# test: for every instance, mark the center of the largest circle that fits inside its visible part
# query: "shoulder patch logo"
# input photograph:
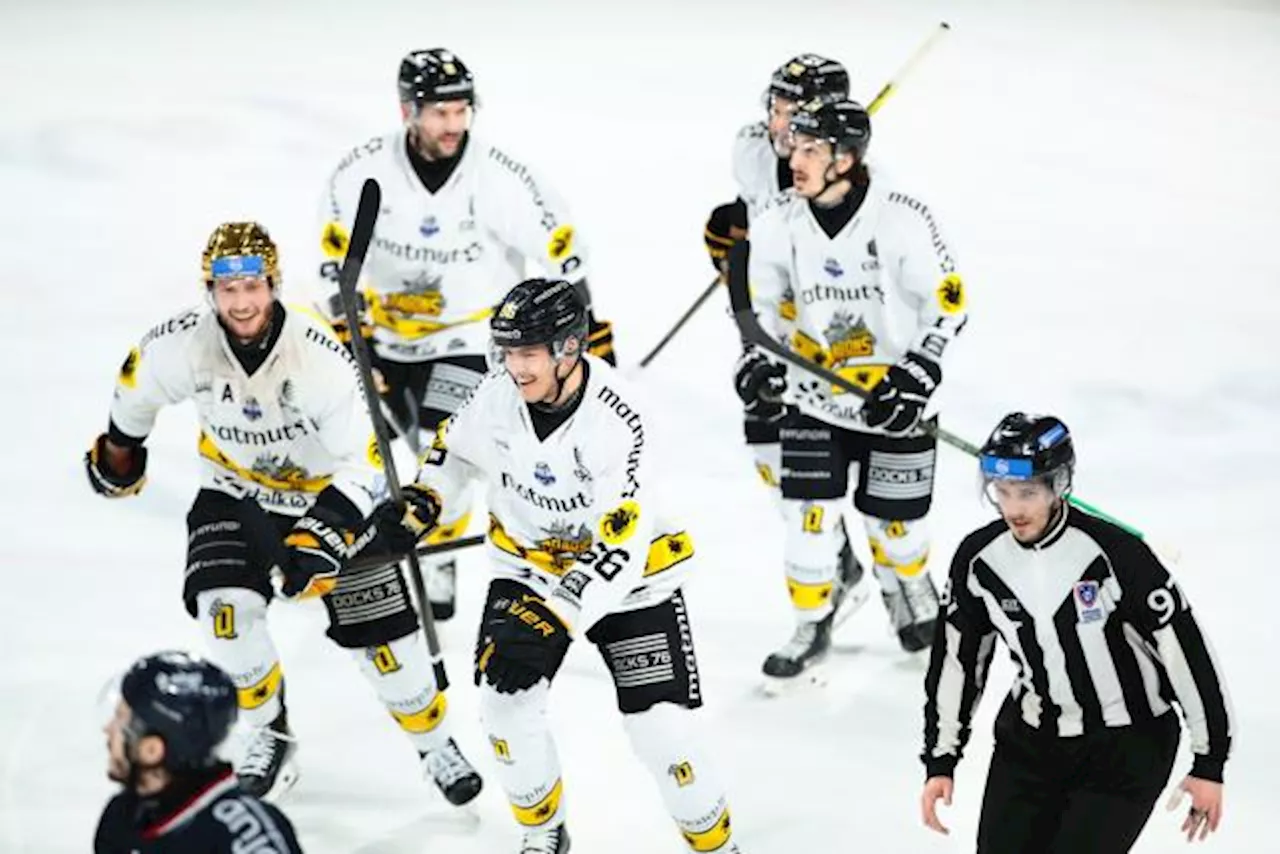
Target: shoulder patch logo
(335, 240)
(617, 526)
(129, 369)
(561, 243)
(374, 455)
(951, 296)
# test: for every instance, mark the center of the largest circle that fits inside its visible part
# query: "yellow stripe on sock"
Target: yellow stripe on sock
(809, 596)
(541, 812)
(425, 720)
(261, 691)
(712, 839)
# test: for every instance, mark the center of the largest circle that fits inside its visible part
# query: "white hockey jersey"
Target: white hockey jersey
(854, 304)
(281, 435)
(575, 516)
(440, 261)
(755, 167)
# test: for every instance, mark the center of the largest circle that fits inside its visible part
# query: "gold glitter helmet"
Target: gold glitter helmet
(240, 249)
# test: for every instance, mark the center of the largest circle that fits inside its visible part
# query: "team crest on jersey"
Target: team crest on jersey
(251, 409)
(1088, 608)
(832, 268)
(421, 296)
(129, 370)
(619, 524)
(543, 474)
(280, 468)
(564, 541)
(429, 227)
(335, 240)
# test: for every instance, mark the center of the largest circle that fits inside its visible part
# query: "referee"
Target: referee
(1105, 643)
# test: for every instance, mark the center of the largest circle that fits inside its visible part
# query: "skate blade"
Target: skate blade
(285, 781)
(813, 676)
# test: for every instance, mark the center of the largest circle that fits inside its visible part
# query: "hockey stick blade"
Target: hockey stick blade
(753, 333)
(348, 277)
(363, 562)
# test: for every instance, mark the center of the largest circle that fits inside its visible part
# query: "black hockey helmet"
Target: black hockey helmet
(541, 311)
(807, 77)
(845, 124)
(187, 701)
(435, 75)
(1029, 447)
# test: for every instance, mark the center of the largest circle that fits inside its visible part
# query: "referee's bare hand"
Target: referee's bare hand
(1205, 811)
(934, 788)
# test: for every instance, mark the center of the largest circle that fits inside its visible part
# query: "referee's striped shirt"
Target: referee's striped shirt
(1099, 631)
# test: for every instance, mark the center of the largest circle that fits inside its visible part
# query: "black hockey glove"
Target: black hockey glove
(526, 645)
(600, 339)
(316, 549)
(760, 383)
(897, 402)
(725, 227)
(400, 529)
(105, 480)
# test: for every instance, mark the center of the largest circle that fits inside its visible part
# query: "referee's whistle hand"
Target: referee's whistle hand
(934, 788)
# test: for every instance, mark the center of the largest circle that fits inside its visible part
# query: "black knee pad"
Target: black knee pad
(370, 608)
(650, 654)
(895, 480)
(231, 542)
(815, 461)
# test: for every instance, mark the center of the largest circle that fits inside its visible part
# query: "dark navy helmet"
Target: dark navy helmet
(845, 124)
(541, 311)
(185, 700)
(1029, 448)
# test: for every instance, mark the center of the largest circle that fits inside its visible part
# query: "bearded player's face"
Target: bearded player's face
(438, 128)
(244, 305)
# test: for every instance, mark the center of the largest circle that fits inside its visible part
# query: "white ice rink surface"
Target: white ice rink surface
(1108, 175)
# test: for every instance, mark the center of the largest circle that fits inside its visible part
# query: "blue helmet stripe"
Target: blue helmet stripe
(237, 265)
(1005, 467)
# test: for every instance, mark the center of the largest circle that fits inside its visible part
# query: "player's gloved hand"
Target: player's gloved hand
(103, 463)
(897, 402)
(402, 527)
(317, 548)
(725, 227)
(600, 339)
(340, 326)
(524, 647)
(760, 383)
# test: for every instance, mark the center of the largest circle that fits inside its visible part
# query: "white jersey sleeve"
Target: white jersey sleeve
(755, 167)
(926, 272)
(531, 218)
(450, 464)
(769, 268)
(155, 374)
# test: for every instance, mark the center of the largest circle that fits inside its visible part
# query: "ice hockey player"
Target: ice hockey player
(288, 481)
(460, 220)
(179, 796)
(581, 548)
(877, 299)
(1105, 643)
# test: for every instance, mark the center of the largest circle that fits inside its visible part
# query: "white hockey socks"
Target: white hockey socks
(664, 739)
(401, 675)
(528, 767)
(234, 622)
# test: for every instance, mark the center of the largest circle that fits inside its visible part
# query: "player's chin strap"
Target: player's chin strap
(560, 381)
(827, 184)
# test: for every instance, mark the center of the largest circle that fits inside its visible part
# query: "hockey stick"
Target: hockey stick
(361, 236)
(886, 91)
(360, 564)
(753, 333)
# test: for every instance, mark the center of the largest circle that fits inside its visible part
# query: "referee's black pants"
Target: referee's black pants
(1091, 794)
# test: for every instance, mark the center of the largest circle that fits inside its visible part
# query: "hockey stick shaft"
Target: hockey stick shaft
(886, 91)
(684, 318)
(360, 564)
(752, 332)
(348, 276)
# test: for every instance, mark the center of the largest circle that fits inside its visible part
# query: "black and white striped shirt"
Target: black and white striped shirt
(1099, 631)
